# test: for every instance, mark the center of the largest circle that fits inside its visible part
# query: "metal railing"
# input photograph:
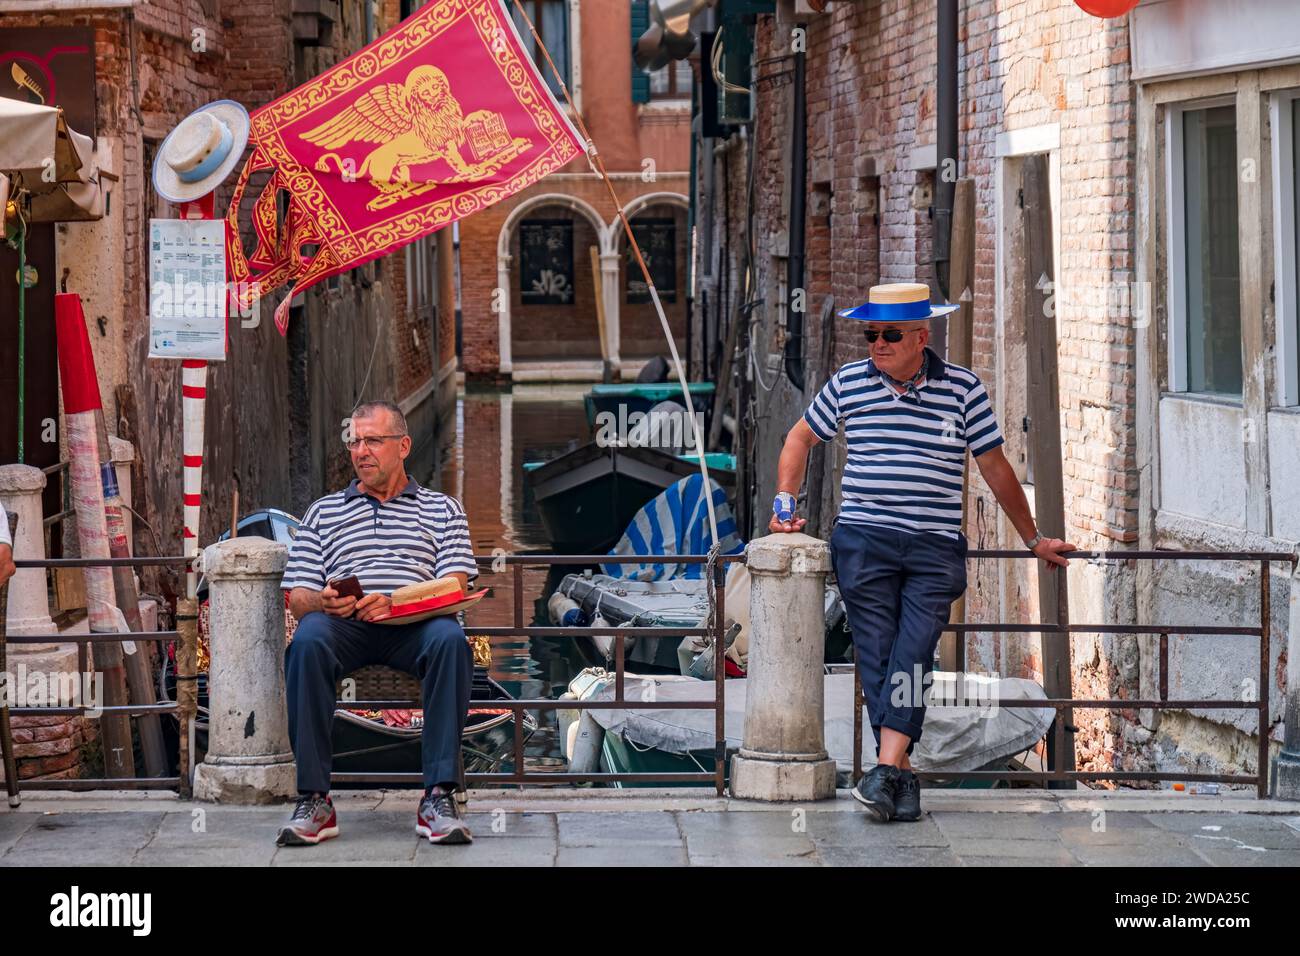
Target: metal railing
(83, 642)
(520, 776)
(1058, 774)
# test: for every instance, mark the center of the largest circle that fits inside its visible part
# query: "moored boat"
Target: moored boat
(956, 738)
(585, 498)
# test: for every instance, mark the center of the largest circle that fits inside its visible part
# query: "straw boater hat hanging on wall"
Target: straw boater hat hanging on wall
(201, 151)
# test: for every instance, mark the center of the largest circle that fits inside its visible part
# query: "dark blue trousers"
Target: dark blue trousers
(897, 588)
(326, 649)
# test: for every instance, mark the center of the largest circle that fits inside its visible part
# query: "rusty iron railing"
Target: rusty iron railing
(1058, 774)
(521, 776)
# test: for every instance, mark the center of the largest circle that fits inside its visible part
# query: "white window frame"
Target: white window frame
(1175, 205)
(1286, 289)
(575, 53)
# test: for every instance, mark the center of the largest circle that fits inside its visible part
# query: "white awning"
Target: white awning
(58, 166)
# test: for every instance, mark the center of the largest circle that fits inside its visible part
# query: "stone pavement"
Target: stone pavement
(668, 828)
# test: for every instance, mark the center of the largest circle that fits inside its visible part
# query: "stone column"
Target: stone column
(783, 756)
(29, 607)
(248, 759)
(1285, 776)
(612, 294)
(505, 359)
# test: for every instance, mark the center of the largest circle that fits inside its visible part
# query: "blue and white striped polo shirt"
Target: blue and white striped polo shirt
(906, 454)
(417, 535)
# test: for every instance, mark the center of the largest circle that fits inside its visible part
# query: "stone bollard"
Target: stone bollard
(783, 756)
(29, 607)
(248, 759)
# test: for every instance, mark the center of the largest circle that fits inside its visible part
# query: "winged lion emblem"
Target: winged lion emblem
(414, 123)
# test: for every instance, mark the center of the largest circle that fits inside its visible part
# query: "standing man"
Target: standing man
(897, 548)
(387, 531)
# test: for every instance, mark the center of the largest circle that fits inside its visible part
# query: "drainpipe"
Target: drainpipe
(798, 208)
(946, 142)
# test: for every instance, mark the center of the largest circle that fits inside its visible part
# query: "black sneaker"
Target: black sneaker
(440, 819)
(875, 791)
(907, 797)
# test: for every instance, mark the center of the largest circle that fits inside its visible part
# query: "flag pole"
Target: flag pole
(593, 157)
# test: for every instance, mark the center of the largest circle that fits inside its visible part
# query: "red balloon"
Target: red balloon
(1106, 8)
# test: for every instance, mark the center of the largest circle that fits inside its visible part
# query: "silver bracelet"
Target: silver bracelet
(1034, 542)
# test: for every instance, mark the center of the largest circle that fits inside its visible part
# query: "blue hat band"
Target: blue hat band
(897, 311)
(213, 160)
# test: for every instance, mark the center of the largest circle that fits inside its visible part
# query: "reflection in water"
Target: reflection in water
(481, 463)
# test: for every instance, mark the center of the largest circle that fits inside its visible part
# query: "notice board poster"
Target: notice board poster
(187, 289)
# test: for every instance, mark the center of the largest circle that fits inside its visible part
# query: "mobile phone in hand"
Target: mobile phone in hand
(348, 587)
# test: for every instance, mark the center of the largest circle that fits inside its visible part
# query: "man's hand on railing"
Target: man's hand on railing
(1049, 550)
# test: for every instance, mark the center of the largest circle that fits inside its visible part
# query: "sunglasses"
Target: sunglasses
(889, 335)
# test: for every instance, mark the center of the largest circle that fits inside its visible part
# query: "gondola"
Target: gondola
(586, 497)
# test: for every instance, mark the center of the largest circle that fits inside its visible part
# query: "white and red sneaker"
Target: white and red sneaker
(313, 820)
(439, 818)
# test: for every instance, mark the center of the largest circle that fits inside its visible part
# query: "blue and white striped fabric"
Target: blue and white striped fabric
(906, 454)
(415, 536)
(675, 522)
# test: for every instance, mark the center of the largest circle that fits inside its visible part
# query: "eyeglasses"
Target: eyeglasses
(372, 442)
(890, 335)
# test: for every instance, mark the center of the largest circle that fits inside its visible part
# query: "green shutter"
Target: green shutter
(640, 24)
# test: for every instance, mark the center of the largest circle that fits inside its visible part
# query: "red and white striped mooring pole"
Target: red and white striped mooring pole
(194, 394)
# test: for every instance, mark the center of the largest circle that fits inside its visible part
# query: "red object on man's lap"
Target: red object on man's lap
(416, 602)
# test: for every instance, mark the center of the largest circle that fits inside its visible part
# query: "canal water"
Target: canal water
(495, 433)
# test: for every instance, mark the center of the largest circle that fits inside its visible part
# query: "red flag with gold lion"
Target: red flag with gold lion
(441, 117)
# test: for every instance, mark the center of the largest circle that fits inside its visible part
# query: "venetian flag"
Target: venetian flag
(436, 120)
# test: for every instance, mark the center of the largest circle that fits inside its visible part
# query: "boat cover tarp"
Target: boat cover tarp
(955, 738)
(669, 603)
(675, 522)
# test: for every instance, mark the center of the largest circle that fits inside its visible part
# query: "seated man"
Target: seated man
(388, 531)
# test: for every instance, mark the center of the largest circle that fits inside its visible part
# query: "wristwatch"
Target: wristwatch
(783, 506)
(1034, 542)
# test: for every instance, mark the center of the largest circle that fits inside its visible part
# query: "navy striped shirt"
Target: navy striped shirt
(417, 535)
(906, 454)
